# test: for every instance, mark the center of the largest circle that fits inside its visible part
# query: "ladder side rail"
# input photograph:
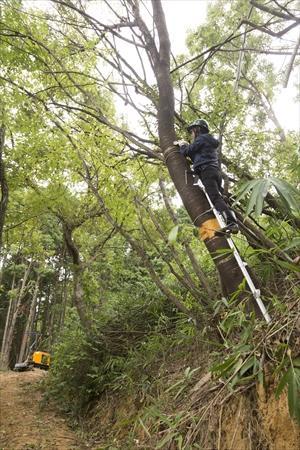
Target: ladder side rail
(254, 290)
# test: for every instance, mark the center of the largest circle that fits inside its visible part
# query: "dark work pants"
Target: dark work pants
(212, 180)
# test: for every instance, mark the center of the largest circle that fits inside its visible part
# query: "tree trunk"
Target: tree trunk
(78, 293)
(9, 314)
(7, 343)
(64, 301)
(3, 185)
(29, 324)
(193, 198)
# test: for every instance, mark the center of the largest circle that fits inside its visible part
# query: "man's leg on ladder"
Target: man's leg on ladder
(211, 179)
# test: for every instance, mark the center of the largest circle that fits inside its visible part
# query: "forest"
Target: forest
(110, 256)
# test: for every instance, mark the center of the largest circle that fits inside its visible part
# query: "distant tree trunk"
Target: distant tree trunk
(44, 314)
(7, 343)
(3, 263)
(3, 185)
(9, 314)
(64, 301)
(29, 324)
(78, 293)
(51, 327)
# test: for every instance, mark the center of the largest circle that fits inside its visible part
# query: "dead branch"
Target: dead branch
(274, 12)
(291, 63)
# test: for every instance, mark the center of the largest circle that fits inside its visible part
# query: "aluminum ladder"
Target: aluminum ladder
(242, 265)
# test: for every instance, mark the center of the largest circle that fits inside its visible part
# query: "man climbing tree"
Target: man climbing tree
(204, 155)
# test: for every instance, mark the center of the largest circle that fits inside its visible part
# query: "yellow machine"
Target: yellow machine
(37, 359)
(41, 360)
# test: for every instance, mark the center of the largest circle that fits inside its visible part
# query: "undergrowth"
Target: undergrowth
(174, 380)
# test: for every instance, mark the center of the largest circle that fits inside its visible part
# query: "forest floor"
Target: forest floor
(24, 423)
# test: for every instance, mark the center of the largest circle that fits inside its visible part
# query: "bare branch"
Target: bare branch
(291, 63)
(239, 67)
(266, 30)
(153, 54)
(266, 103)
(274, 11)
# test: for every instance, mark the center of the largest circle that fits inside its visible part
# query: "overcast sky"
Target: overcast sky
(185, 15)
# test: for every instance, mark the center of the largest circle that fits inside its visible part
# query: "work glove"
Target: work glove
(180, 143)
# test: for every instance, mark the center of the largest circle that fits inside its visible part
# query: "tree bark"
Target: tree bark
(29, 324)
(9, 314)
(3, 185)
(7, 343)
(78, 293)
(192, 197)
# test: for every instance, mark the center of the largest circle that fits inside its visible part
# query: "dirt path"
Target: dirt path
(24, 424)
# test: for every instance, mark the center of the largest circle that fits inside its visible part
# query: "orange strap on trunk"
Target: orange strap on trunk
(208, 228)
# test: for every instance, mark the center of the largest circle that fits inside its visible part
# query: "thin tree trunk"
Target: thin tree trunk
(7, 344)
(64, 300)
(197, 269)
(29, 324)
(52, 318)
(78, 293)
(3, 185)
(44, 314)
(186, 280)
(10, 312)
(168, 293)
(3, 263)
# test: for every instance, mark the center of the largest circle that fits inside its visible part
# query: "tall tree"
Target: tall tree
(3, 184)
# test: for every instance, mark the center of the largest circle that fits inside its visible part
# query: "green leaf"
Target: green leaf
(282, 383)
(234, 381)
(225, 367)
(260, 376)
(173, 234)
(294, 393)
(294, 243)
(264, 188)
(259, 188)
(289, 195)
(253, 198)
(250, 363)
(296, 362)
(245, 188)
(179, 442)
(289, 266)
(165, 440)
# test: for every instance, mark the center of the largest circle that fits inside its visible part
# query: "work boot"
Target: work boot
(231, 223)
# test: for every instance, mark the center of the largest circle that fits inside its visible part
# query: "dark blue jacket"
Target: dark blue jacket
(203, 151)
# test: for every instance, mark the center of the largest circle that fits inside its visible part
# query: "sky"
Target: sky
(185, 15)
